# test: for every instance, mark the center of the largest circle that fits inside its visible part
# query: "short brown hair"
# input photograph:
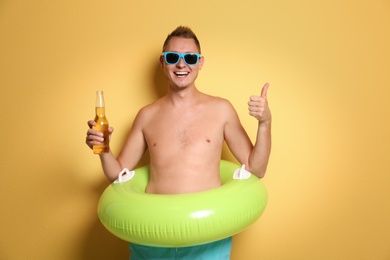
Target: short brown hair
(183, 32)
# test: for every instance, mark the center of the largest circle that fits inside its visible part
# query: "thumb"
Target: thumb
(264, 90)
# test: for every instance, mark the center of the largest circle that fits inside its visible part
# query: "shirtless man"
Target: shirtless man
(184, 130)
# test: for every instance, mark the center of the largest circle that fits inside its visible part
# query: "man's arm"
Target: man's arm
(255, 157)
(258, 108)
(130, 155)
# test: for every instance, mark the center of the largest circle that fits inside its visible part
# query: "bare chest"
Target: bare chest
(185, 132)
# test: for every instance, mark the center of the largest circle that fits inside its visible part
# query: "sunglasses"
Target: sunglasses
(171, 58)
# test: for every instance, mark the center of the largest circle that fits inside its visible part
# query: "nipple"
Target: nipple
(241, 173)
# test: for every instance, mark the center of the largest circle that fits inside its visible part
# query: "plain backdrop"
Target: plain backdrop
(327, 63)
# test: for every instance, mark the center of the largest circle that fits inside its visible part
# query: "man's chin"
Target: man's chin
(181, 84)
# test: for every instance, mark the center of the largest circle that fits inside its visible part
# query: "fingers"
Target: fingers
(256, 108)
(263, 94)
(91, 123)
(264, 90)
(91, 132)
(95, 137)
(258, 105)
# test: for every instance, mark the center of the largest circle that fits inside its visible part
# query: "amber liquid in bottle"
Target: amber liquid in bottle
(101, 125)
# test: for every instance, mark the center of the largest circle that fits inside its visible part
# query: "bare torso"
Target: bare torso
(185, 145)
(184, 132)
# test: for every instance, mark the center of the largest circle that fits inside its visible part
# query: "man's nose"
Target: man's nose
(181, 63)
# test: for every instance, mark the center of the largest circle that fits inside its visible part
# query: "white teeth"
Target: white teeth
(181, 73)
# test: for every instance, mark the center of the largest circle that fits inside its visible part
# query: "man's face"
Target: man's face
(181, 75)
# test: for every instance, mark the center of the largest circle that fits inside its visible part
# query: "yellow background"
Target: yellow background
(328, 66)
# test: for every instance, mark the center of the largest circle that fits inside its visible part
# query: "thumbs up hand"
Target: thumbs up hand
(258, 106)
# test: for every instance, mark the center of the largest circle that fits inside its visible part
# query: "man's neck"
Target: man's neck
(183, 97)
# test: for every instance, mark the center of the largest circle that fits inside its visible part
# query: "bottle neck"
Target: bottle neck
(100, 112)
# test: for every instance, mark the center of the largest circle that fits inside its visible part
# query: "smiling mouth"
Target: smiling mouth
(181, 74)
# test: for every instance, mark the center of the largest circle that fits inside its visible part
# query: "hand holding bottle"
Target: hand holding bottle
(95, 137)
(98, 136)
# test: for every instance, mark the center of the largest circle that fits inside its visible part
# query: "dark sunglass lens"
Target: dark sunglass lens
(191, 59)
(172, 58)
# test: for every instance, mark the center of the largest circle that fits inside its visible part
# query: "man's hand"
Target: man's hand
(95, 137)
(258, 106)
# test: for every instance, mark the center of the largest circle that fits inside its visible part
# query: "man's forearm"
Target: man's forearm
(110, 165)
(258, 159)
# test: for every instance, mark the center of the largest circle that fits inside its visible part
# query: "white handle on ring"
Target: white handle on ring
(124, 176)
(241, 173)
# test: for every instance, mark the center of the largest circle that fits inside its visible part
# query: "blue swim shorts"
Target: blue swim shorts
(218, 250)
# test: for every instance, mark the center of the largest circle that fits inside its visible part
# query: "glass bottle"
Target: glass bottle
(101, 124)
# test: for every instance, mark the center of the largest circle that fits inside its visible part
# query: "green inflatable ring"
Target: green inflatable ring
(182, 219)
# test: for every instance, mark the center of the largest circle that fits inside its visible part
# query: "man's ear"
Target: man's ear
(201, 62)
(162, 61)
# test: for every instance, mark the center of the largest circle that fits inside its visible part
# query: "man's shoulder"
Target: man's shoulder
(215, 99)
(219, 102)
(148, 110)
